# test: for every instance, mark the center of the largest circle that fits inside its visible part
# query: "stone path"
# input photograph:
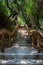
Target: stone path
(22, 52)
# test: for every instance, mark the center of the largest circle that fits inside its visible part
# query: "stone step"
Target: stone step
(21, 56)
(28, 44)
(21, 53)
(21, 62)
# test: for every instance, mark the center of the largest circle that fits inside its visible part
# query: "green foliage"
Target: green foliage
(5, 21)
(29, 7)
(21, 20)
(4, 9)
(41, 23)
(13, 6)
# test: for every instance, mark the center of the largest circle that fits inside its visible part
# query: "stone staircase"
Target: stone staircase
(21, 53)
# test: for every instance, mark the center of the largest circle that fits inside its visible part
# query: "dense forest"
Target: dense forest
(27, 11)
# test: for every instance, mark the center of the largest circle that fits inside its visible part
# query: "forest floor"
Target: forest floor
(22, 51)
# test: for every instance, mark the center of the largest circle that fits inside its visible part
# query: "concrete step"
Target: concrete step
(21, 56)
(20, 53)
(21, 62)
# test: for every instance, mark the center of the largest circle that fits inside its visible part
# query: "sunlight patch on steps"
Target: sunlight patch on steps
(20, 49)
(21, 61)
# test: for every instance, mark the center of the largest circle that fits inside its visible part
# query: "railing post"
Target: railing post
(38, 42)
(32, 38)
(2, 45)
(9, 41)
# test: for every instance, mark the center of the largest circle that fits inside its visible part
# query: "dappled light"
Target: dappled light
(22, 61)
(21, 32)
